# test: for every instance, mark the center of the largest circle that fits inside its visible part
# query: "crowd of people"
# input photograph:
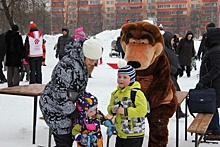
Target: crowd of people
(20, 58)
(209, 77)
(71, 112)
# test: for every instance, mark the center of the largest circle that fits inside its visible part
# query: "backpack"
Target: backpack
(133, 95)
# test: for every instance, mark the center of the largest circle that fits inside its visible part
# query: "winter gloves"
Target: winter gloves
(75, 114)
(86, 140)
(110, 127)
(178, 72)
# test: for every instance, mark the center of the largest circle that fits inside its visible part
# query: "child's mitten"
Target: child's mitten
(110, 127)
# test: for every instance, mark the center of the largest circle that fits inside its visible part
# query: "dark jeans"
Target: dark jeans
(13, 76)
(188, 69)
(35, 64)
(63, 140)
(214, 124)
(130, 142)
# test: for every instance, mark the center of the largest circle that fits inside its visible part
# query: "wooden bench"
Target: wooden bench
(199, 126)
(49, 134)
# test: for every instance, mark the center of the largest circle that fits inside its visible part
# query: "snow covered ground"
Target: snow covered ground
(17, 111)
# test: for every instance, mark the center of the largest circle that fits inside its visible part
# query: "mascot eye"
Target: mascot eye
(142, 42)
(133, 41)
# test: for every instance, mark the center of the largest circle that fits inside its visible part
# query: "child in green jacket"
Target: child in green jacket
(130, 117)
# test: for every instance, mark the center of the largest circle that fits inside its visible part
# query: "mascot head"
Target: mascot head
(142, 43)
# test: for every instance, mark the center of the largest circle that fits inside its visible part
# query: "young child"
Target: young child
(130, 118)
(25, 68)
(87, 130)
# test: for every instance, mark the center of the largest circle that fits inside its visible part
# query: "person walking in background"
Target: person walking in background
(127, 21)
(34, 53)
(14, 53)
(119, 48)
(175, 69)
(25, 69)
(62, 42)
(161, 29)
(130, 116)
(87, 130)
(176, 41)
(202, 46)
(185, 51)
(44, 52)
(2, 55)
(80, 34)
(68, 80)
(210, 76)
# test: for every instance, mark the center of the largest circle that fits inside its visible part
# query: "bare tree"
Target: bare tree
(178, 21)
(195, 21)
(7, 8)
(13, 12)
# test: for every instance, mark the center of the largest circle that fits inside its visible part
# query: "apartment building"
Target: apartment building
(95, 16)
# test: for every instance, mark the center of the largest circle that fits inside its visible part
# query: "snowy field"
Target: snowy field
(17, 111)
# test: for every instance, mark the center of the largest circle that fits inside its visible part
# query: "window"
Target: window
(57, 3)
(72, 3)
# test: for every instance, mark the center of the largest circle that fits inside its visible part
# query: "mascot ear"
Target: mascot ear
(154, 30)
(127, 28)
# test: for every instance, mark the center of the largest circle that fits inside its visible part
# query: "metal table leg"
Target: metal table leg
(186, 118)
(34, 119)
(177, 128)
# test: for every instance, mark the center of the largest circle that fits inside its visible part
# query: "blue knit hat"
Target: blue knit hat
(126, 69)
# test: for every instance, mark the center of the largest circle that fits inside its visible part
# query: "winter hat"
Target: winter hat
(92, 49)
(65, 28)
(80, 33)
(126, 69)
(87, 103)
(127, 21)
(44, 41)
(15, 28)
(210, 25)
(160, 27)
(32, 25)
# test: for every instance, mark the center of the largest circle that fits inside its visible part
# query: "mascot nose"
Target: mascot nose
(134, 64)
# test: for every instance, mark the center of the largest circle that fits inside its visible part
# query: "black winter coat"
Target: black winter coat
(172, 57)
(62, 42)
(210, 66)
(202, 48)
(186, 50)
(14, 49)
(2, 46)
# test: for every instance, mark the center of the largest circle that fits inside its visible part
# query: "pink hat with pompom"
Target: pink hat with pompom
(80, 33)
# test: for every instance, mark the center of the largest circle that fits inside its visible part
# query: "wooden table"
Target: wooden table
(33, 90)
(181, 96)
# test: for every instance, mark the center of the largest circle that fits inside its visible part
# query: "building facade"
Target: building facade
(177, 16)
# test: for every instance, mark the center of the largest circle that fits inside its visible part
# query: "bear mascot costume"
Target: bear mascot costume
(143, 45)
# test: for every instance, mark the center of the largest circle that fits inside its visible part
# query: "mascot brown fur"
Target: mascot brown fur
(143, 45)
